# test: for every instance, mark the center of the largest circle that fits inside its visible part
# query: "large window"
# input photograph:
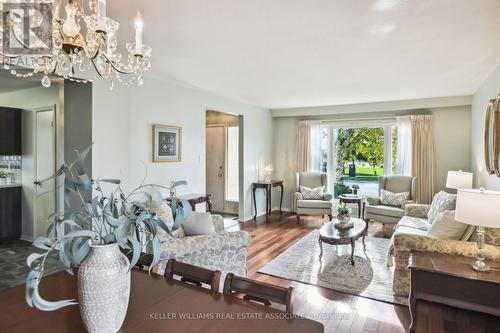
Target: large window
(355, 155)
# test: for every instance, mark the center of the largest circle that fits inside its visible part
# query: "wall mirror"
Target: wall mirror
(492, 136)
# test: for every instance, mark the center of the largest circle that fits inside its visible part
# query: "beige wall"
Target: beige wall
(122, 131)
(452, 143)
(489, 89)
(284, 163)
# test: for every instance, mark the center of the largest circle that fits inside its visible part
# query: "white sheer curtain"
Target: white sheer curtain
(316, 157)
(404, 147)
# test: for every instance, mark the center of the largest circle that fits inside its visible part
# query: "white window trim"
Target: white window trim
(388, 150)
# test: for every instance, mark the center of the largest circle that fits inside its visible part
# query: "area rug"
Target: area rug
(13, 267)
(369, 277)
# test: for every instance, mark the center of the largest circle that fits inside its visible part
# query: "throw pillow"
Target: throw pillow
(492, 236)
(446, 227)
(388, 198)
(198, 224)
(311, 193)
(442, 201)
(164, 212)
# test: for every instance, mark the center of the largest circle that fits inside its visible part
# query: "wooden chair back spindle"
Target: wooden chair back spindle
(257, 291)
(193, 274)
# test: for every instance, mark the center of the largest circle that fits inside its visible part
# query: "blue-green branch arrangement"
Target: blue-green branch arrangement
(126, 219)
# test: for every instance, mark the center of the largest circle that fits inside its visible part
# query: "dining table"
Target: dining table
(156, 304)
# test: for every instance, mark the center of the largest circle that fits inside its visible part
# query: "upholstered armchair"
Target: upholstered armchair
(390, 215)
(323, 206)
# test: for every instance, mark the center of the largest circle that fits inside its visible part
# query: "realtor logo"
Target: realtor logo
(26, 27)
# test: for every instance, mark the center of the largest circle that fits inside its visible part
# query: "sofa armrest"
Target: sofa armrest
(406, 203)
(218, 222)
(298, 196)
(417, 210)
(200, 245)
(327, 196)
(372, 201)
(406, 243)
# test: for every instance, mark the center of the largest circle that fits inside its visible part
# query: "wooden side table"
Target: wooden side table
(195, 198)
(450, 280)
(267, 186)
(355, 200)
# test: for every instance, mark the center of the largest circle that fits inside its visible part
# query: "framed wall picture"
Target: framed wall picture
(167, 143)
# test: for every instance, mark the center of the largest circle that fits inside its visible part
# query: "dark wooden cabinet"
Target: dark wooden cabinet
(10, 212)
(10, 131)
(450, 280)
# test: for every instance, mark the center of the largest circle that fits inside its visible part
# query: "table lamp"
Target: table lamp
(268, 170)
(459, 180)
(479, 208)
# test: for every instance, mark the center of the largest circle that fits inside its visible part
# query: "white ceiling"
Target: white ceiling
(294, 53)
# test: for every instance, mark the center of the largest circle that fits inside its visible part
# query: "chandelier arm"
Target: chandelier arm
(86, 48)
(121, 70)
(96, 69)
(59, 29)
(81, 9)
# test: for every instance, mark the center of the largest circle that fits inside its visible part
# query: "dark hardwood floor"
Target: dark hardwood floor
(341, 312)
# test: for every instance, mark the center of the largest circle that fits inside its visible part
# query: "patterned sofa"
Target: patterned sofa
(222, 250)
(411, 234)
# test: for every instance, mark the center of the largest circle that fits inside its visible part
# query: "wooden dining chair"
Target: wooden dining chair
(145, 259)
(193, 274)
(260, 292)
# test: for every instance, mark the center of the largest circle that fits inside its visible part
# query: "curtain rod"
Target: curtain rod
(371, 121)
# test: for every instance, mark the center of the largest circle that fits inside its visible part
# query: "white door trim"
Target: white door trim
(35, 161)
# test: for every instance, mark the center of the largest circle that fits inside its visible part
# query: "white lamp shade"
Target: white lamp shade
(478, 207)
(459, 180)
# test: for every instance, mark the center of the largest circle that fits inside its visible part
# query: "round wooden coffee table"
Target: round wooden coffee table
(330, 235)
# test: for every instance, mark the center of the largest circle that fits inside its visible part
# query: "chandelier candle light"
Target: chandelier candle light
(90, 46)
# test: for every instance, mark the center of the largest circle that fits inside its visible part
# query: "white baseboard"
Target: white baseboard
(249, 218)
(284, 209)
(26, 238)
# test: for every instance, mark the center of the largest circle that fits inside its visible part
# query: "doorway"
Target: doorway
(45, 165)
(223, 156)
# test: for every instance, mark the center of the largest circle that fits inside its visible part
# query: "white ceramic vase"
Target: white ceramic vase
(104, 288)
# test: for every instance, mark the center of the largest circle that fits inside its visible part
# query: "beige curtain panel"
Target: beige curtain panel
(302, 152)
(303, 144)
(423, 163)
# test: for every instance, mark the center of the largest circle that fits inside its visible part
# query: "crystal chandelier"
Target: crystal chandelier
(84, 40)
